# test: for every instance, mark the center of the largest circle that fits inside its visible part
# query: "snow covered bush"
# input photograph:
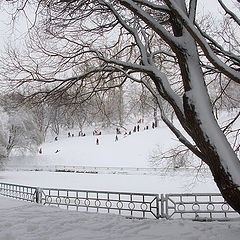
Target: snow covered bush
(18, 130)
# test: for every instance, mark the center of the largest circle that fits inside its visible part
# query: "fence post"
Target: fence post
(157, 207)
(38, 195)
(163, 214)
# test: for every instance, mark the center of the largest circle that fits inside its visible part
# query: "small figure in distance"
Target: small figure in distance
(56, 138)
(116, 138)
(138, 127)
(40, 150)
(57, 151)
(97, 142)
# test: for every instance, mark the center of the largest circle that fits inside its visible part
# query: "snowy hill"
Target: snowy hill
(130, 154)
(21, 220)
(133, 150)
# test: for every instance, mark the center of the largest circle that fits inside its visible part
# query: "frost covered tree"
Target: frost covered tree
(22, 132)
(128, 39)
(3, 133)
(18, 131)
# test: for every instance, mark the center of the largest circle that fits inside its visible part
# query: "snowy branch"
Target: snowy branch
(234, 75)
(230, 13)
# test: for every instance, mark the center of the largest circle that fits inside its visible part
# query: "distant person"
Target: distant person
(129, 133)
(138, 127)
(57, 151)
(40, 150)
(97, 142)
(118, 131)
(153, 125)
(134, 129)
(116, 138)
(69, 134)
(56, 138)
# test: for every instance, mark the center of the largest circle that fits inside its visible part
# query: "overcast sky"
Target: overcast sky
(204, 6)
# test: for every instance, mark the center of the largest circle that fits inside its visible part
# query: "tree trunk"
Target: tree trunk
(228, 188)
(155, 116)
(199, 120)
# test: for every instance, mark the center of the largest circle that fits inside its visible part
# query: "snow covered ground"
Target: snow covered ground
(129, 152)
(172, 182)
(22, 220)
(27, 221)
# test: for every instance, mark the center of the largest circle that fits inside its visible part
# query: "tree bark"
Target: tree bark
(195, 105)
(229, 190)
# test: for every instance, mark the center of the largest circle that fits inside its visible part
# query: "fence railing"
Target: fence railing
(89, 169)
(198, 206)
(141, 205)
(26, 193)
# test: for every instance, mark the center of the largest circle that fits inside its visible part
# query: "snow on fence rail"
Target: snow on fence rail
(197, 206)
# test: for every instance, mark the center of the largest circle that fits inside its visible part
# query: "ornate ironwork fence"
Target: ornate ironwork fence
(140, 205)
(198, 206)
(26, 193)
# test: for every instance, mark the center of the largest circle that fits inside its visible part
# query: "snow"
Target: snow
(130, 153)
(30, 221)
(179, 182)
(213, 133)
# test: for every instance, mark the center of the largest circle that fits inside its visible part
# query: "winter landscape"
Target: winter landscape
(116, 163)
(119, 119)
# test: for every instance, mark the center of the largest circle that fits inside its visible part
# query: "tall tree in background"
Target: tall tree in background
(125, 39)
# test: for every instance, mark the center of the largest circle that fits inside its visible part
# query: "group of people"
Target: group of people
(80, 134)
(136, 128)
(96, 133)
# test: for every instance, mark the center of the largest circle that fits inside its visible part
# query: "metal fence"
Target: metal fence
(140, 205)
(19, 192)
(199, 206)
(95, 170)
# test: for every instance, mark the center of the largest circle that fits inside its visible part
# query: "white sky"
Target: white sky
(6, 30)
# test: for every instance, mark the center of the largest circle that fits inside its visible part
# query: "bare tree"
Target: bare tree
(123, 39)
